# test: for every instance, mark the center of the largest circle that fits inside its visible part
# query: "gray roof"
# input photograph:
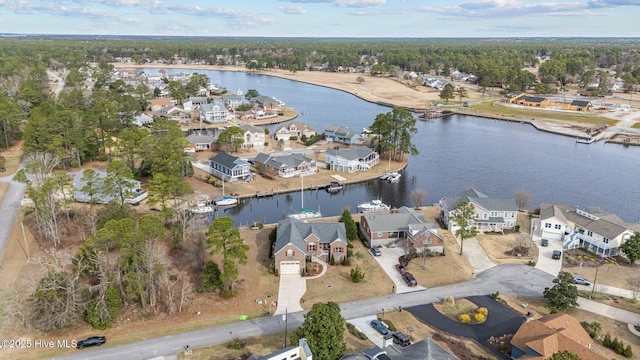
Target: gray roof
(607, 225)
(284, 161)
(533, 99)
(251, 128)
(228, 161)
(340, 131)
(426, 349)
(200, 139)
(396, 221)
(264, 99)
(293, 231)
(99, 198)
(477, 198)
(300, 125)
(354, 153)
(582, 103)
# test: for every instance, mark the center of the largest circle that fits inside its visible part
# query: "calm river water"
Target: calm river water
(496, 157)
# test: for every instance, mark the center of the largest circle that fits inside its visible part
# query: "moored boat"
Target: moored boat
(306, 214)
(201, 208)
(226, 200)
(334, 187)
(373, 205)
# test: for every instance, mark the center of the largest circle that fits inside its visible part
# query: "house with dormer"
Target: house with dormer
(297, 240)
(214, 112)
(173, 113)
(403, 224)
(491, 214)
(541, 338)
(351, 159)
(602, 234)
(294, 128)
(285, 166)
(229, 168)
(253, 136)
(340, 134)
(232, 101)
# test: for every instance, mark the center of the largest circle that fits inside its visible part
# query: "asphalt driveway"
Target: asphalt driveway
(501, 320)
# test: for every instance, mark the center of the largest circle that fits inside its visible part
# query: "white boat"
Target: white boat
(334, 187)
(226, 200)
(395, 177)
(373, 205)
(386, 176)
(201, 208)
(304, 213)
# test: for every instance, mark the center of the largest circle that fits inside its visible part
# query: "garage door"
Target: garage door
(289, 267)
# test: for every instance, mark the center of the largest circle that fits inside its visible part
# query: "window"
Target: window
(379, 233)
(312, 247)
(289, 252)
(558, 227)
(547, 225)
(493, 213)
(484, 216)
(338, 249)
(590, 233)
(605, 240)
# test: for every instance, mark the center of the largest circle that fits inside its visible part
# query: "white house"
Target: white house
(215, 112)
(294, 128)
(351, 159)
(253, 136)
(491, 214)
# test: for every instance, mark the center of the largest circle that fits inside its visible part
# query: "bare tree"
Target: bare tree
(635, 287)
(522, 198)
(521, 241)
(186, 293)
(417, 196)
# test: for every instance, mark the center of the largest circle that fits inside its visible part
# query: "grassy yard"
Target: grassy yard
(636, 125)
(490, 108)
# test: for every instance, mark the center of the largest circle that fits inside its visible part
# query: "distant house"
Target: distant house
(522, 99)
(159, 103)
(201, 141)
(133, 191)
(232, 101)
(541, 338)
(143, 120)
(580, 105)
(340, 134)
(253, 136)
(300, 352)
(297, 240)
(491, 214)
(351, 159)
(285, 166)
(215, 112)
(268, 103)
(229, 168)
(295, 128)
(602, 234)
(173, 113)
(402, 224)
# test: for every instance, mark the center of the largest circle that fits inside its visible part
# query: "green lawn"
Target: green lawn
(490, 108)
(636, 125)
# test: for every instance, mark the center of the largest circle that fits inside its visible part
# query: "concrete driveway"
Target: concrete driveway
(362, 324)
(478, 259)
(545, 262)
(388, 262)
(291, 290)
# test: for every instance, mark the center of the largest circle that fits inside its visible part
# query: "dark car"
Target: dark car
(401, 269)
(380, 327)
(376, 251)
(401, 339)
(92, 341)
(557, 254)
(544, 242)
(409, 279)
(580, 280)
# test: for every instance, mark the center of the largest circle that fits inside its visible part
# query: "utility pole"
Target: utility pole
(26, 246)
(595, 278)
(284, 318)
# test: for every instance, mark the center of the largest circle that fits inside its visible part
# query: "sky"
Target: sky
(325, 18)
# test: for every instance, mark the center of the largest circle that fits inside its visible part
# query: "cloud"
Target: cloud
(342, 3)
(508, 8)
(612, 3)
(292, 10)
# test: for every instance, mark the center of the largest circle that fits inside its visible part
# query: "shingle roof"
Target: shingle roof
(200, 139)
(284, 161)
(293, 231)
(227, 160)
(477, 198)
(582, 103)
(251, 128)
(533, 99)
(600, 224)
(354, 153)
(395, 221)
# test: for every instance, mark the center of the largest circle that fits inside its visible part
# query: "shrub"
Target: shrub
(464, 318)
(591, 328)
(449, 301)
(210, 277)
(332, 261)
(236, 345)
(496, 295)
(293, 138)
(389, 324)
(355, 332)
(484, 311)
(346, 261)
(308, 267)
(357, 274)
(627, 352)
(479, 318)
(606, 342)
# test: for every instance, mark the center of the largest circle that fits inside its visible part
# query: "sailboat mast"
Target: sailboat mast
(302, 190)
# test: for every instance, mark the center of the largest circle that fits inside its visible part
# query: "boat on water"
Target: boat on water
(306, 214)
(583, 140)
(373, 205)
(226, 200)
(202, 208)
(395, 177)
(334, 187)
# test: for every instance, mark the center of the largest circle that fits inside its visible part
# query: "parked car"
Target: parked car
(401, 339)
(401, 269)
(409, 279)
(581, 281)
(557, 254)
(380, 327)
(544, 242)
(376, 251)
(92, 341)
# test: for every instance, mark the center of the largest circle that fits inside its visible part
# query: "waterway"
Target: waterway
(495, 157)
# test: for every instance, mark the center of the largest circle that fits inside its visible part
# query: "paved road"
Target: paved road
(9, 210)
(508, 279)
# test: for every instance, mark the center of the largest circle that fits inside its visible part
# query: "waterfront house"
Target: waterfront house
(491, 214)
(229, 168)
(201, 141)
(541, 338)
(297, 241)
(215, 112)
(340, 134)
(143, 120)
(294, 128)
(267, 103)
(351, 159)
(580, 105)
(285, 166)
(173, 113)
(253, 136)
(232, 101)
(159, 103)
(133, 193)
(522, 99)
(402, 224)
(600, 233)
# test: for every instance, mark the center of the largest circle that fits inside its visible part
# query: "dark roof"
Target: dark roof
(581, 103)
(292, 231)
(513, 94)
(533, 99)
(227, 160)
